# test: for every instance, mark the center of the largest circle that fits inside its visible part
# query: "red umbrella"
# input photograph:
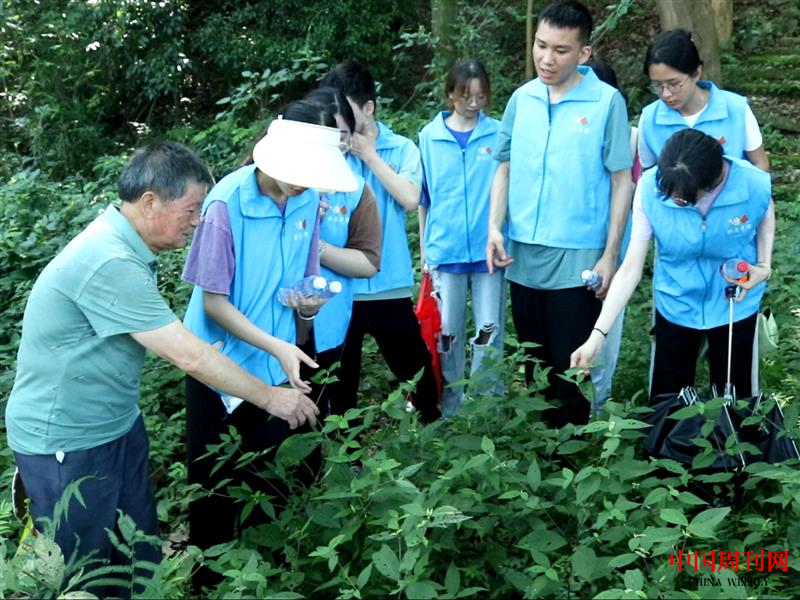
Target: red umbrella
(430, 324)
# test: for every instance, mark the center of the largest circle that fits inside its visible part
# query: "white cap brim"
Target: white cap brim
(305, 155)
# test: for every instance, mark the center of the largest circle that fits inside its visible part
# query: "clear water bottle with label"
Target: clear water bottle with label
(592, 279)
(312, 285)
(735, 268)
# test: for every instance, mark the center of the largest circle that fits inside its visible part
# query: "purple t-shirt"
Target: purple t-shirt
(211, 262)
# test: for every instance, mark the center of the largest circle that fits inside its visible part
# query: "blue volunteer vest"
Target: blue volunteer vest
(689, 289)
(396, 271)
(722, 119)
(271, 251)
(559, 189)
(459, 183)
(330, 326)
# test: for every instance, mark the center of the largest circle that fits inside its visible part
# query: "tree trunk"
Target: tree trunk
(443, 15)
(697, 17)
(723, 20)
(529, 41)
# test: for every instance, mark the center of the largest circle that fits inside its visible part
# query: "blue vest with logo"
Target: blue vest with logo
(689, 289)
(459, 183)
(396, 271)
(330, 326)
(271, 251)
(559, 189)
(722, 119)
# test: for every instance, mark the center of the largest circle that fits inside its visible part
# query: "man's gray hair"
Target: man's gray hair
(163, 168)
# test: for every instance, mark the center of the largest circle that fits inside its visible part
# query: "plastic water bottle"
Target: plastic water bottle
(312, 285)
(592, 279)
(735, 268)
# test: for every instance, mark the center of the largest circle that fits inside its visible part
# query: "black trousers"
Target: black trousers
(677, 348)
(396, 330)
(215, 519)
(559, 321)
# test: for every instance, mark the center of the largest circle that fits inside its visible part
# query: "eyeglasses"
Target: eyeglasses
(659, 87)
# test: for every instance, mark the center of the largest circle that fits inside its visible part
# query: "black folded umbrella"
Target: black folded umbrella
(674, 437)
(742, 432)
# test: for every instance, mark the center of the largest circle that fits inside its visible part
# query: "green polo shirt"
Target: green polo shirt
(78, 369)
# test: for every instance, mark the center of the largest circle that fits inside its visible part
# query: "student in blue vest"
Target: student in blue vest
(564, 182)
(702, 208)
(382, 306)
(458, 169)
(257, 235)
(685, 100)
(350, 246)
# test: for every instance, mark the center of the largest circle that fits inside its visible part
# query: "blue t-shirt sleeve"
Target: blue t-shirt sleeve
(502, 152)
(122, 297)
(411, 166)
(617, 141)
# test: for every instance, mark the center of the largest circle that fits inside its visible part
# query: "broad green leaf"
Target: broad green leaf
(634, 580)
(534, 475)
(409, 559)
(572, 446)
(686, 412)
(584, 561)
(673, 515)
(594, 427)
(704, 524)
(363, 577)
(586, 489)
(622, 560)
(545, 540)
(476, 461)
(410, 470)
(691, 499)
(656, 496)
(421, 590)
(386, 562)
(295, 448)
(452, 580)
(487, 445)
(632, 424)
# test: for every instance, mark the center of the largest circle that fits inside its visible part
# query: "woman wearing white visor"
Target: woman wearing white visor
(258, 234)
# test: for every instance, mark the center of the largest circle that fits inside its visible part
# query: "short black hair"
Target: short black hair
(354, 80)
(308, 112)
(690, 162)
(675, 49)
(163, 168)
(333, 100)
(569, 14)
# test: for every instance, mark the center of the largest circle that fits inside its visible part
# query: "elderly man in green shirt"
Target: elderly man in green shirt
(73, 411)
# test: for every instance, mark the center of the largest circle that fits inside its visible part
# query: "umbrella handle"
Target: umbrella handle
(730, 294)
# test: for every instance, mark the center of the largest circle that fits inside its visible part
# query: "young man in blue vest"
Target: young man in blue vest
(382, 304)
(564, 184)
